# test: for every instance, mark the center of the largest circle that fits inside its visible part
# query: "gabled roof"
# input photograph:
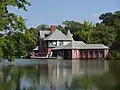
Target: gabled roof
(72, 45)
(57, 35)
(81, 45)
(96, 46)
(42, 33)
(69, 35)
(75, 45)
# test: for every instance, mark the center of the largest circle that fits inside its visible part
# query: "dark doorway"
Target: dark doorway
(67, 54)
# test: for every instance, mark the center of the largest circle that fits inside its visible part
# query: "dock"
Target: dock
(37, 57)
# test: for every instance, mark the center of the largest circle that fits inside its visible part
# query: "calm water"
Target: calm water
(30, 74)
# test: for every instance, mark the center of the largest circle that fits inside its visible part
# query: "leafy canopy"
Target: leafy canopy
(11, 21)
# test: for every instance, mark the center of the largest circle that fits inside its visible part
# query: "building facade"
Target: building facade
(80, 50)
(53, 43)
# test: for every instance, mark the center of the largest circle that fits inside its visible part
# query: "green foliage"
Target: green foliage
(18, 44)
(74, 27)
(9, 48)
(10, 42)
(61, 28)
(1, 53)
(43, 27)
(11, 21)
(104, 34)
(113, 55)
(86, 32)
(31, 39)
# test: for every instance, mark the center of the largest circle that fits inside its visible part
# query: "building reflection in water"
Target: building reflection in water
(53, 75)
(62, 72)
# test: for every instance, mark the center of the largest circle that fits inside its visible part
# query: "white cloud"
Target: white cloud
(95, 15)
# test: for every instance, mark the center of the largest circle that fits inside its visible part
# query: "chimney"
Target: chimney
(53, 28)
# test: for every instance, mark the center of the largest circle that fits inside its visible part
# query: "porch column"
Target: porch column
(93, 54)
(105, 53)
(98, 54)
(63, 53)
(79, 54)
(83, 54)
(88, 52)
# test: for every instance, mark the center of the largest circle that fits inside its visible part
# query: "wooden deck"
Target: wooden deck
(37, 57)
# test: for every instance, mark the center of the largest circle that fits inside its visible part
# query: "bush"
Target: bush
(113, 55)
(1, 54)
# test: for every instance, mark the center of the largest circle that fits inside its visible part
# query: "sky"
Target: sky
(54, 12)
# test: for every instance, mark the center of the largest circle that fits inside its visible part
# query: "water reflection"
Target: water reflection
(46, 75)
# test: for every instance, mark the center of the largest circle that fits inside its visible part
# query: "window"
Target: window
(52, 44)
(60, 42)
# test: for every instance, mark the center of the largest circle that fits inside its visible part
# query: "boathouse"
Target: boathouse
(53, 43)
(80, 50)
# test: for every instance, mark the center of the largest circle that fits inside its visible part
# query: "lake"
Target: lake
(35, 74)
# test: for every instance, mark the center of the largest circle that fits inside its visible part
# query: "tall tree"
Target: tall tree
(74, 27)
(111, 19)
(11, 22)
(104, 34)
(86, 32)
(61, 28)
(43, 27)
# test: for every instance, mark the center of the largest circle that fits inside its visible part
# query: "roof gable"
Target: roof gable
(56, 35)
(69, 35)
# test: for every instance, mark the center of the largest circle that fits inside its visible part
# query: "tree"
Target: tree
(61, 28)
(31, 39)
(110, 36)
(86, 32)
(12, 23)
(104, 34)
(43, 27)
(107, 18)
(111, 19)
(1, 51)
(74, 27)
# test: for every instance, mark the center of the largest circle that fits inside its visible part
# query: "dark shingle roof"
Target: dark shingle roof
(81, 45)
(57, 35)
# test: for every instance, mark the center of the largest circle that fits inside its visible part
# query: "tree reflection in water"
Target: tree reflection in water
(8, 79)
(61, 75)
(11, 77)
(110, 80)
